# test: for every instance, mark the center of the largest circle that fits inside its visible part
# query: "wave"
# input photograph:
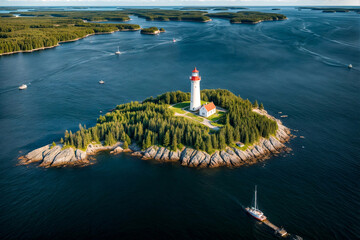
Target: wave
(327, 60)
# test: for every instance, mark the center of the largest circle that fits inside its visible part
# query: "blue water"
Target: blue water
(297, 67)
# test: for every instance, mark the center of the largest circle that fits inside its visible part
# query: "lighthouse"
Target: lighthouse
(195, 79)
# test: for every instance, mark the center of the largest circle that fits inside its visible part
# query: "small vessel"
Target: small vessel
(23, 87)
(101, 82)
(254, 212)
(350, 66)
(174, 40)
(284, 116)
(118, 51)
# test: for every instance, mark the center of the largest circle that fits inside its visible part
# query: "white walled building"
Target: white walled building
(195, 102)
(207, 110)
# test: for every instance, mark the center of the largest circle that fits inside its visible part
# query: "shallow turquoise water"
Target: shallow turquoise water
(297, 66)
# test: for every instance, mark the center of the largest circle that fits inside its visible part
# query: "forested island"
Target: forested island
(248, 17)
(29, 34)
(152, 130)
(152, 30)
(40, 29)
(333, 9)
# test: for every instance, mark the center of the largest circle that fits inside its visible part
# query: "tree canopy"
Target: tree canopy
(152, 122)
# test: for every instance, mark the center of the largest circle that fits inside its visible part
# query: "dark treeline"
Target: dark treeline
(21, 34)
(152, 122)
(150, 30)
(248, 16)
(168, 15)
(84, 15)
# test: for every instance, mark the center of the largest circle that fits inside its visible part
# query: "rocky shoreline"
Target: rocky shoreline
(71, 40)
(56, 156)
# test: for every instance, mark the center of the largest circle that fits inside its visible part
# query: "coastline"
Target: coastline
(71, 40)
(56, 156)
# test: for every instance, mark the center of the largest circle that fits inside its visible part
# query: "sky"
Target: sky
(179, 3)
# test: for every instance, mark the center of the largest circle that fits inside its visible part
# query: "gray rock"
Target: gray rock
(159, 153)
(234, 159)
(50, 156)
(117, 150)
(269, 146)
(37, 154)
(150, 152)
(64, 157)
(216, 160)
(240, 154)
(174, 156)
(197, 159)
(186, 156)
(80, 155)
(277, 145)
(165, 155)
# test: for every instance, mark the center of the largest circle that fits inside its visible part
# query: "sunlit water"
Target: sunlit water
(297, 67)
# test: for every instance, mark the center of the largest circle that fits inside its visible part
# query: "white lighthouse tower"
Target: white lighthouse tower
(195, 102)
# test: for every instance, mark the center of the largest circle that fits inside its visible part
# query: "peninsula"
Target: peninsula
(210, 128)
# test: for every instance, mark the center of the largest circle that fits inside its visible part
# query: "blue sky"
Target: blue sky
(178, 2)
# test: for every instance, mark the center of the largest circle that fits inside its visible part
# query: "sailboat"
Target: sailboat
(118, 51)
(254, 211)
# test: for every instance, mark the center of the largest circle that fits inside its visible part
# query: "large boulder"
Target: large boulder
(64, 157)
(150, 152)
(216, 160)
(80, 155)
(174, 156)
(159, 153)
(165, 155)
(37, 154)
(186, 156)
(50, 156)
(234, 159)
(117, 150)
(241, 154)
(197, 159)
(276, 143)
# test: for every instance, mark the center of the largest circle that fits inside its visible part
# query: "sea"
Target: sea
(297, 67)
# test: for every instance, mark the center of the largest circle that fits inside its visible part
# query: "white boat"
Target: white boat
(118, 51)
(174, 40)
(350, 66)
(101, 82)
(254, 211)
(23, 87)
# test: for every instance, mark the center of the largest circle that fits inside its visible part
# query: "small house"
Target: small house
(207, 110)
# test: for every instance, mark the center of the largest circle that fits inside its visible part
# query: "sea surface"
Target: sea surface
(297, 67)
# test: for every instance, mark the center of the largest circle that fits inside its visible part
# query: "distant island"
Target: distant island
(240, 133)
(248, 17)
(40, 29)
(31, 34)
(333, 9)
(152, 30)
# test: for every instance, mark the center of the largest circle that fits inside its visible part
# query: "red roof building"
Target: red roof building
(207, 109)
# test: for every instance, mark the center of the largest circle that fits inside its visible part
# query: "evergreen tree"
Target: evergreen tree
(261, 106)
(256, 105)
(174, 143)
(125, 145)
(166, 141)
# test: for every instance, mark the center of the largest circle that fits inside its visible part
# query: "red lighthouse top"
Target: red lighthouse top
(195, 75)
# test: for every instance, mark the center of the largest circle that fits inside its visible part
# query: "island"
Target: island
(152, 30)
(162, 128)
(248, 17)
(332, 9)
(40, 29)
(31, 34)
